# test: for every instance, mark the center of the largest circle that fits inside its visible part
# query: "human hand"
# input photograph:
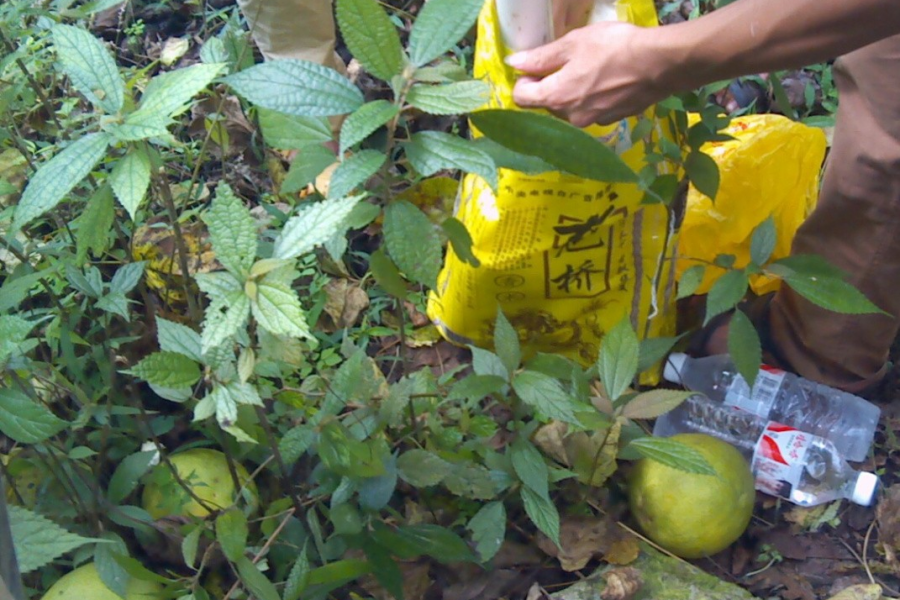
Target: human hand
(601, 73)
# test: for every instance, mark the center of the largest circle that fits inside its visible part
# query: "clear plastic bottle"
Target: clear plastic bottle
(792, 464)
(845, 419)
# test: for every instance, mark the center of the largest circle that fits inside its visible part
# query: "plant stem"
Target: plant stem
(180, 246)
(273, 444)
(34, 85)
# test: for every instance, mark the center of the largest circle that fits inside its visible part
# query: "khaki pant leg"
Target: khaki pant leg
(856, 226)
(300, 29)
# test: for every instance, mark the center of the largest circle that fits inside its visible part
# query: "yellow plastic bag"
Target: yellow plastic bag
(771, 168)
(565, 258)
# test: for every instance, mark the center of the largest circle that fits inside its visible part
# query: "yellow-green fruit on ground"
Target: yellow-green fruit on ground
(694, 515)
(206, 472)
(84, 583)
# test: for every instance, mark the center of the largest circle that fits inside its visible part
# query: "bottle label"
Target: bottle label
(765, 390)
(778, 459)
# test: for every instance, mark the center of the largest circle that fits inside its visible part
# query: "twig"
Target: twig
(262, 552)
(276, 453)
(37, 89)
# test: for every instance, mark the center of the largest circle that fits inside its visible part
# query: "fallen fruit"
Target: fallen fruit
(84, 583)
(689, 514)
(206, 473)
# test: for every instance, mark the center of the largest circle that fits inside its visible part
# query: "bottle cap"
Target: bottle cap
(864, 490)
(674, 366)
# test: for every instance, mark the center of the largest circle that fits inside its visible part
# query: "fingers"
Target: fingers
(542, 60)
(531, 92)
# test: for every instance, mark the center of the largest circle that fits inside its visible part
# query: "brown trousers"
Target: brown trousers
(856, 226)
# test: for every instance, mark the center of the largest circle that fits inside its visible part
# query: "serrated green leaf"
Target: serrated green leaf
(542, 512)
(385, 569)
(13, 331)
(56, 178)
(90, 67)
(807, 265)
(703, 172)
(433, 151)
(505, 158)
(175, 337)
(762, 244)
(26, 421)
(672, 454)
(167, 369)
(476, 387)
(232, 231)
(365, 120)
(654, 350)
(832, 294)
(296, 442)
(461, 240)
(313, 226)
(431, 540)
(354, 172)
(190, 544)
(455, 98)
(38, 541)
(292, 132)
(412, 242)
(555, 141)
(471, 481)
(387, 274)
(298, 578)
(370, 37)
(231, 533)
(127, 474)
(297, 87)
(114, 303)
(485, 362)
(439, 26)
(488, 528)
(744, 346)
(130, 179)
(652, 404)
(376, 492)
(306, 167)
(618, 362)
(421, 468)
(257, 583)
(528, 464)
(335, 574)
(545, 395)
(111, 573)
(506, 342)
(92, 227)
(168, 94)
(224, 317)
(133, 131)
(277, 309)
(725, 293)
(126, 278)
(690, 281)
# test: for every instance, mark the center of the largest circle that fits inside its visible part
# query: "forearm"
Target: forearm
(754, 36)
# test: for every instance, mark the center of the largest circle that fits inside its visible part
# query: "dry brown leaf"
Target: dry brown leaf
(416, 581)
(580, 540)
(624, 550)
(621, 583)
(868, 591)
(424, 337)
(592, 457)
(536, 592)
(344, 302)
(550, 438)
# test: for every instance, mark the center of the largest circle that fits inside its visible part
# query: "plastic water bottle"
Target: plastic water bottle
(845, 419)
(795, 465)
